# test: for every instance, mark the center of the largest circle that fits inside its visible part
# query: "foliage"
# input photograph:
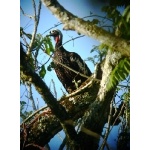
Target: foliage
(40, 43)
(23, 113)
(101, 51)
(121, 21)
(123, 141)
(119, 73)
(42, 71)
(121, 28)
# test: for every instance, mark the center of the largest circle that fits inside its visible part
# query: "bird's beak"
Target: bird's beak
(50, 34)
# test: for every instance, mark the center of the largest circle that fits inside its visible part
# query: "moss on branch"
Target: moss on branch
(72, 22)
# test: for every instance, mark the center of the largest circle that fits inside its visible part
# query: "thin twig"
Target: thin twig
(24, 39)
(27, 98)
(44, 63)
(97, 16)
(52, 28)
(34, 7)
(126, 86)
(36, 20)
(69, 67)
(31, 96)
(108, 128)
(31, 17)
(82, 18)
(33, 114)
(117, 117)
(72, 39)
(72, 69)
(83, 75)
(23, 93)
(37, 104)
(55, 93)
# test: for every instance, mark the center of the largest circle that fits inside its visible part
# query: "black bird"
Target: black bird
(68, 78)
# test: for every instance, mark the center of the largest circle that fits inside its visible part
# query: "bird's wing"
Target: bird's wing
(79, 64)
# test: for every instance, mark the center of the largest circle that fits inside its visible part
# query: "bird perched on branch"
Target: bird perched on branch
(65, 62)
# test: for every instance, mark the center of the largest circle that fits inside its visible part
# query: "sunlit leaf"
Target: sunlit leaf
(42, 71)
(49, 68)
(120, 72)
(48, 45)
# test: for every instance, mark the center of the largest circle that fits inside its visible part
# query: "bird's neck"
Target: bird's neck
(58, 40)
(59, 45)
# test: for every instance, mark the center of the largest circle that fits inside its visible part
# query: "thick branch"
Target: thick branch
(43, 125)
(72, 22)
(28, 74)
(99, 110)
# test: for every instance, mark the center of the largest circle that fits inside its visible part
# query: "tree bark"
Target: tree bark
(96, 116)
(44, 125)
(72, 22)
(91, 102)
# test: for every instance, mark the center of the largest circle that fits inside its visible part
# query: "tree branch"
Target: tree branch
(74, 105)
(31, 96)
(36, 20)
(72, 22)
(31, 17)
(28, 74)
(43, 122)
(99, 110)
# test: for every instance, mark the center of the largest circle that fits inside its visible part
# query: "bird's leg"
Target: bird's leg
(76, 83)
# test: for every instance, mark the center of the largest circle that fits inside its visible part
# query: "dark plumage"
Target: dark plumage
(70, 59)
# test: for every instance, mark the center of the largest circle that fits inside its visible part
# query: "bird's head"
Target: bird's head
(57, 36)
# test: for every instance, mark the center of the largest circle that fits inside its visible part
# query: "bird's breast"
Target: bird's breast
(60, 57)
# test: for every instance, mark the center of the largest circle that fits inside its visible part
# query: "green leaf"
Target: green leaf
(48, 45)
(52, 65)
(49, 68)
(120, 72)
(23, 102)
(42, 71)
(103, 47)
(126, 11)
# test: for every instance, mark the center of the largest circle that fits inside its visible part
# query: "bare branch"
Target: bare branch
(31, 96)
(31, 17)
(97, 16)
(34, 7)
(52, 28)
(72, 39)
(72, 69)
(54, 87)
(36, 21)
(108, 126)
